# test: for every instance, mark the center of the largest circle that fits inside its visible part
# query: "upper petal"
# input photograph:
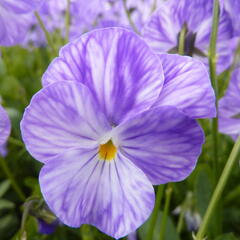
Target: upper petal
(61, 116)
(5, 126)
(187, 86)
(163, 142)
(116, 65)
(115, 196)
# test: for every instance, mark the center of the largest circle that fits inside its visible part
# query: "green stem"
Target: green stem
(215, 135)
(181, 218)
(218, 190)
(165, 212)
(212, 64)
(67, 20)
(154, 216)
(154, 6)
(16, 142)
(9, 175)
(129, 17)
(47, 35)
(182, 40)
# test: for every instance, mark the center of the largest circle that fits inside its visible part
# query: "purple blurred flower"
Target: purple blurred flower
(229, 107)
(84, 17)
(107, 126)
(5, 128)
(164, 27)
(14, 19)
(132, 236)
(233, 8)
(47, 228)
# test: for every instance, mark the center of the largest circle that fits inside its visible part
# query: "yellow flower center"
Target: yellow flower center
(107, 151)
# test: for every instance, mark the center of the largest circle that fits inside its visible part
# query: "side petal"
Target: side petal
(163, 142)
(124, 75)
(59, 117)
(187, 86)
(5, 127)
(115, 196)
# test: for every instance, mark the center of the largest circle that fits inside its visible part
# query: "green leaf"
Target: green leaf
(203, 188)
(4, 186)
(228, 236)
(170, 233)
(6, 204)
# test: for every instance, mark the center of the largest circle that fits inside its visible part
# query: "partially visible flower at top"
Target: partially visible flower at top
(229, 107)
(5, 127)
(83, 17)
(14, 18)
(140, 11)
(162, 32)
(111, 121)
(233, 8)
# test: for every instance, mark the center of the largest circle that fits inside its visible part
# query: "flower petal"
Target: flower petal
(13, 27)
(229, 107)
(115, 196)
(117, 66)
(62, 116)
(163, 142)
(5, 127)
(21, 6)
(187, 86)
(162, 29)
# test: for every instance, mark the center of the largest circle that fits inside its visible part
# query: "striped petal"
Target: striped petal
(187, 86)
(59, 117)
(115, 196)
(229, 107)
(163, 142)
(5, 127)
(117, 66)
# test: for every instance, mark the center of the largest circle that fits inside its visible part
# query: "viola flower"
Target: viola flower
(229, 107)
(109, 123)
(14, 18)
(5, 128)
(163, 30)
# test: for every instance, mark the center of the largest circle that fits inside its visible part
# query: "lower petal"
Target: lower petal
(115, 196)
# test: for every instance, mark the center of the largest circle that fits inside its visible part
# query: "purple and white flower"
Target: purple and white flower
(14, 19)
(108, 124)
(163, 30)
(5, 128)
(229, 107)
